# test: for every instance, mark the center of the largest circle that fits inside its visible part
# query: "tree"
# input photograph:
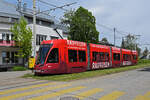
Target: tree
(105, 41)
(130, 43)
(67, 18)
(145, 52)
(81, 25)
(23, 38)
(123, 43)
(138, 50)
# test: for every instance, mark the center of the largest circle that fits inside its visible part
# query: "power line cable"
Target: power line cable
(118, 31)
(61, 7)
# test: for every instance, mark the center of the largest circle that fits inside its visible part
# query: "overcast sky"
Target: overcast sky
(129, 16)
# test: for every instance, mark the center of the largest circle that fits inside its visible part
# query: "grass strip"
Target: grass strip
(87, 74)
(19, 68)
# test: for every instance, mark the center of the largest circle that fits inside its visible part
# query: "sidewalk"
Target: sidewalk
(14, 78)
(12, 74)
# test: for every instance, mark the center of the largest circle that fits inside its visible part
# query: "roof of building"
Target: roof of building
(9, 10)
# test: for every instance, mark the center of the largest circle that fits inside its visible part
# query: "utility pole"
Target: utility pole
(114, 36)
(19, 8)
(34, 30)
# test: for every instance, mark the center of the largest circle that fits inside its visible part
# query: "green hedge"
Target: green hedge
(143, 61)
(19, 68)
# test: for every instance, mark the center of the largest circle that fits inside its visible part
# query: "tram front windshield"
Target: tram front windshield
(42, 54)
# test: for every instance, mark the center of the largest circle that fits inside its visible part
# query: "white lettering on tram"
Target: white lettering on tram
(75, 43)
(127, 63)
(80, 48)
(97, 65)
(99, 46)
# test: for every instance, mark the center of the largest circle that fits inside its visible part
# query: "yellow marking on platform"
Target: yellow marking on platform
(112, 96)
(144, 97)
(88, 93)
(32, 92)
(24, 88)
(47, 96)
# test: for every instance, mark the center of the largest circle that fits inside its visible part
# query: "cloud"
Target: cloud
(97, 10)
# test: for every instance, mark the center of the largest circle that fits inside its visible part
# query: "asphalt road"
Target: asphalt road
(129, 85)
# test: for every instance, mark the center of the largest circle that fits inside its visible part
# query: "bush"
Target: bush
(19, 68)
(143, 61)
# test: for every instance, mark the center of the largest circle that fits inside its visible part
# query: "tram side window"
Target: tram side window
(102, 57)
(82, 56)
(116, 57)
(53, 56)
(134, 57)
(72, 54)
(94, 55)
(106, 56)
(126, 57)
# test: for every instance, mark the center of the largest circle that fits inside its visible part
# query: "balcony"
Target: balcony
(6, 39)
(7, 43)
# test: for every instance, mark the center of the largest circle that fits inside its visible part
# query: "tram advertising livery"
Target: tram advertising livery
(68, 56)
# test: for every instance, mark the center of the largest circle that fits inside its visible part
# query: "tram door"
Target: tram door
(88, 54)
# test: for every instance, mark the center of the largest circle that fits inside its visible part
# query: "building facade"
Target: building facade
(47, 28)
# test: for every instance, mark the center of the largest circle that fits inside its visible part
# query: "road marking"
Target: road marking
(147, 94)
(88, 93)
(32, 92)
(47, 96)
(144, 97)
(25, 88)
(112, 96)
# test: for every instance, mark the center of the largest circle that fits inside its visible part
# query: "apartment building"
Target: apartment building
(47, 28)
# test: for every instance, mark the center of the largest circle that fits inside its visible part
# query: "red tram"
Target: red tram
(67, 56)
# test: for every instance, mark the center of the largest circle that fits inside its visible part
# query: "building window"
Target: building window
(7, 37)
(82, 56)
(13, 56)
(13, 20)
(12, 36)
(72, 55)
(40, 38)
(5, 57)
(3, 36)
(53, 56)
(29, 19)
(9, 57)
(53, 37)
(45, 23)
